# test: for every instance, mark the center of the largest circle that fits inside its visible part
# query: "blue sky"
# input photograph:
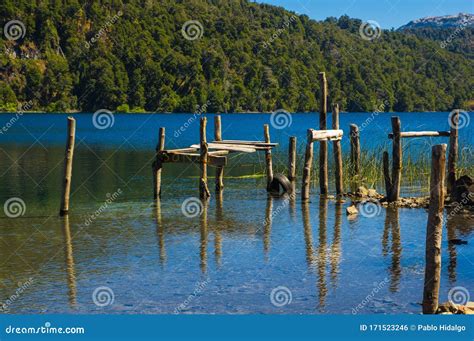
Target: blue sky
(388, 13)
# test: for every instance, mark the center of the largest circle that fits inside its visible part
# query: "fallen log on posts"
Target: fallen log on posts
(434, 230)
(421, 134)
(230, 147)
(251, 143)
(326, 135)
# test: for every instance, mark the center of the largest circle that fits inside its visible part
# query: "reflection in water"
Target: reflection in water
(336, 244)
(218, 227)
(292, 198)
(323, 207)
(160, 231)
(203, 228)
(392, 225)
(267, 228)
(451, 227)
(70, 268)
(308, 235)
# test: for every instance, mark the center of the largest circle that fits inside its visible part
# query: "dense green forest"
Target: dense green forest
(133, 55)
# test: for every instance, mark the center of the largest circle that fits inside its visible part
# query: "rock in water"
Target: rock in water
(463, 191)
(351, 210)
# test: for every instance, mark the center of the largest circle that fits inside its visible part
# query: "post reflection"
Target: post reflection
(160, 232)
(308, 236)
(204, 232)
(267, 226)
(218, 227)
(70, 266)
(323, 207)
(392, 227)
(336, 244)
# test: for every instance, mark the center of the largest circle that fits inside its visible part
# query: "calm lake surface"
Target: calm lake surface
(118, 252)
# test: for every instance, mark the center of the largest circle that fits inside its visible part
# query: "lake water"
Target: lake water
(118, 252)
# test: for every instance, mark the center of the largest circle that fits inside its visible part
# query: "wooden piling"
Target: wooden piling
(268, 157)
(203, 189)
(337, 152)
(434, 230)
(68, 160)
(219, 169)
(396, 160)
(323, 147)
(158, 165)
(308, 164)
(453, 151)
(355, 150)
(292, 159)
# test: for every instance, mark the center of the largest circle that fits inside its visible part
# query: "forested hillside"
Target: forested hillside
(241, 56)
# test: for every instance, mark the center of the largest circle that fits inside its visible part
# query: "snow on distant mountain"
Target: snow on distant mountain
(456, 20)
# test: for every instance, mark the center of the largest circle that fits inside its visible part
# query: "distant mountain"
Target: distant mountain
(454, 33)
(446, 21)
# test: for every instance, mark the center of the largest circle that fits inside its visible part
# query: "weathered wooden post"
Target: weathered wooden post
(337, 151)
(292, 159)
(268, 157)
(308, 164)
(323, 146)
(219, 169)
(203, 189)
(158, 165)
(66, 190)
(355, 150)
(453, 150)
(386, 174)
(396, 160)
(434, 230)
